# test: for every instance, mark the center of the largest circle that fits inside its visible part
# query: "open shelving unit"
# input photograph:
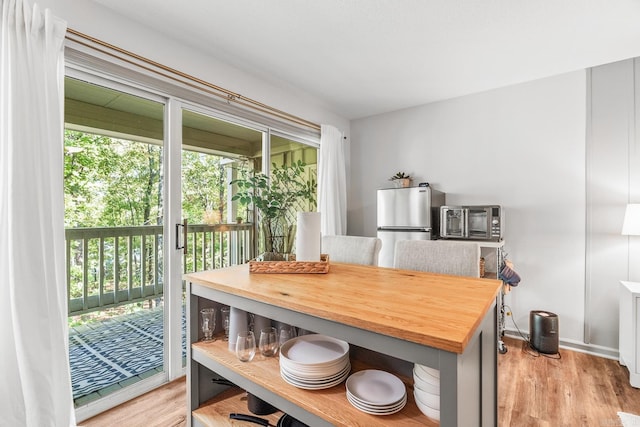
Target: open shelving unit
(351, 303)
(329, 404)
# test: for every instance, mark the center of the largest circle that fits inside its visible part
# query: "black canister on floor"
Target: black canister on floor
(544, 331)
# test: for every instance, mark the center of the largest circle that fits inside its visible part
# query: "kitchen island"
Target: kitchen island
(444, 322)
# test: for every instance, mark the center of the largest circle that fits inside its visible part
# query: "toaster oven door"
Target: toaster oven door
(453, 221)
(479, 223)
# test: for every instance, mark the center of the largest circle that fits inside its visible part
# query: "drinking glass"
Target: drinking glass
(268, 343)
(246, 346)
(225, 321)
(285, 335)
(208, 323)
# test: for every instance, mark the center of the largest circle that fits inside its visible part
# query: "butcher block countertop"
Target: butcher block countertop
(435, 310)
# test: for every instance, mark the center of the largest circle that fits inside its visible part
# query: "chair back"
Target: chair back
(438, 256)
(352, 249)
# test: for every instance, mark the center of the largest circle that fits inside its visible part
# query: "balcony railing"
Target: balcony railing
(111, 266)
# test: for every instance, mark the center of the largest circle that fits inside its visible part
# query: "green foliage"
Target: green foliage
(275, 195)
(203, 187)
(400, 175)
(111, 182)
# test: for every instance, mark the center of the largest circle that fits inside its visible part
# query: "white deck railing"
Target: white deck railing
(110, 266)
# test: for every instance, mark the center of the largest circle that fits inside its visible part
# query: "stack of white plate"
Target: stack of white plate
(314, 362)
(376, 392)
(426, 390)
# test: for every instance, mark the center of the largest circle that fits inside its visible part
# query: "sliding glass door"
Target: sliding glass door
(214, 231)
(114, 210)
(148, 197)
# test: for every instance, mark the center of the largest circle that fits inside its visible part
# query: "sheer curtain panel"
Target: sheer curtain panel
(36, 387)
(332, 182)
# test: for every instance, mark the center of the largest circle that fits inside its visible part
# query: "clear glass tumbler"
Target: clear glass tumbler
(224, 311)
(268, 343)
(208, 323)
(246, 346)
(285, 335)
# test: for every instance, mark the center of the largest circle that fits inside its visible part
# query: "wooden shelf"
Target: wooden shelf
(215, 412)
(330, 404)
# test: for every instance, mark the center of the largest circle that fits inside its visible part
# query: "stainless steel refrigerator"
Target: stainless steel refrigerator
(406, 214)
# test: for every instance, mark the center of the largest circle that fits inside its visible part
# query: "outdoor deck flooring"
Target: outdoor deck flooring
(109, 355)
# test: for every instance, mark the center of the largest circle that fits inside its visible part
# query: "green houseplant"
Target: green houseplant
(401, 179)
(275, 198)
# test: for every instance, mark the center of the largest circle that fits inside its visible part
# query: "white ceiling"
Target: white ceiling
(364, 57)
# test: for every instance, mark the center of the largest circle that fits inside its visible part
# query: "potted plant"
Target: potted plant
(275, 198)
(401, 180)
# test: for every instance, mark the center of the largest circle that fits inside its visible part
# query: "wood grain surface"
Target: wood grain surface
(163, 407)
(215, 412)
(437, 310)
(577, 390)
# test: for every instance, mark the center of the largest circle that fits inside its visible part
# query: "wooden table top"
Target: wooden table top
(437, 310)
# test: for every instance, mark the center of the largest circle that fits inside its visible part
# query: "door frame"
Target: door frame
(140, 387)
(172, 255)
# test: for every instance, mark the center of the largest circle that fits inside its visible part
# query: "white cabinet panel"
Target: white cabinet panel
(630, 330)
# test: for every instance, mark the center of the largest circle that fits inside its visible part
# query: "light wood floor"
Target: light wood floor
(577, 390)
(163, 407)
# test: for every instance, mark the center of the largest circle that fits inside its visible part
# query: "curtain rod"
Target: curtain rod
(174, 74)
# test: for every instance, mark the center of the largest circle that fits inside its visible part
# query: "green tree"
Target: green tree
(111, 182)
(83, 197)
(204, 188)
(131, 188)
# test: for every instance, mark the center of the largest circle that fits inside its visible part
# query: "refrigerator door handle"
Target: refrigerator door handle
(420, 229)
(465, 223)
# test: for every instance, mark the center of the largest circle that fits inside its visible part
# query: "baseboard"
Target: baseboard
(592, 349)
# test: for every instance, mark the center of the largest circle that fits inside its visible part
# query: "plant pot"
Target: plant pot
(402, 182)
(277, 237)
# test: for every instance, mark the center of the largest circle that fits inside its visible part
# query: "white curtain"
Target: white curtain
(332, 182)
(35, 389)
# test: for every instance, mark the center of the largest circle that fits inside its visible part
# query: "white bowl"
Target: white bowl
(426, 386)
(434, 414)
(432, 400)
(426, 378)
(422, 370)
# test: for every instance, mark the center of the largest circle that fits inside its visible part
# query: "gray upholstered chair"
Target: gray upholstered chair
(352, 249)
(438, 256)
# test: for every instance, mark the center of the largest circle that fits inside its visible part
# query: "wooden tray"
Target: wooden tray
(292, 266)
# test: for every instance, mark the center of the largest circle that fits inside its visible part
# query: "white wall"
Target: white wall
(522, 147)
(96, 21)
(613, 180)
